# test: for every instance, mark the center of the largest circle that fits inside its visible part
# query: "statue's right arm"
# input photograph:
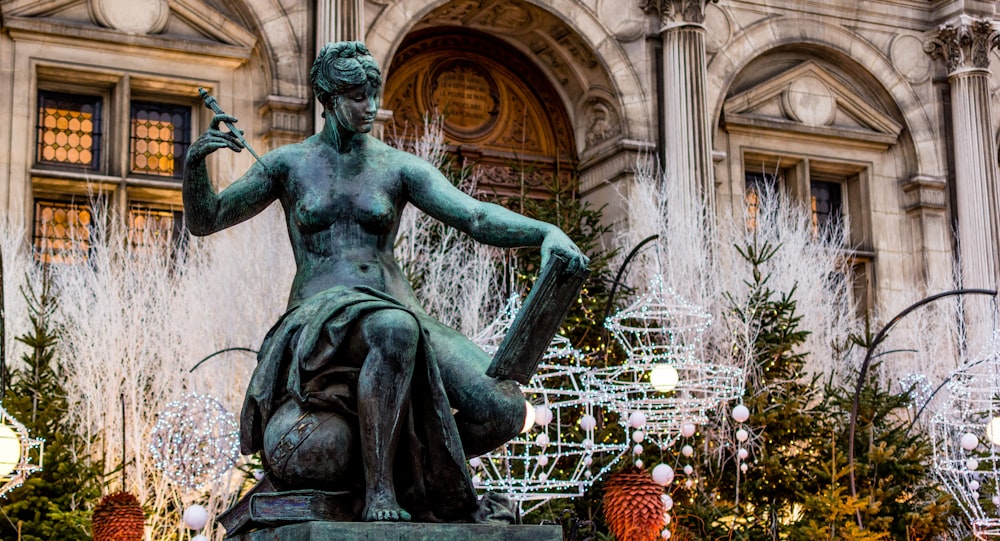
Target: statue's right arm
(205, 210)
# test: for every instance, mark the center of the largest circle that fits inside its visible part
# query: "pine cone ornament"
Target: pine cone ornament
(119, 517)
(633, 507)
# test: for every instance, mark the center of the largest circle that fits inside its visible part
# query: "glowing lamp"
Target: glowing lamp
(663, 377)
(993, 430)
(10, 450)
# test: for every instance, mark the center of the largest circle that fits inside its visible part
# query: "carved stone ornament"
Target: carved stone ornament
(131, 16)
(670, 11)
(602, 123)
(965, 43)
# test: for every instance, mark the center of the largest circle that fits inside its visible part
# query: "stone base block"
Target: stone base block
(389, 531)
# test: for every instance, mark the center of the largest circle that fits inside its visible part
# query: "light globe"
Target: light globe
(10, 449)
(664, 377)
(993, 430)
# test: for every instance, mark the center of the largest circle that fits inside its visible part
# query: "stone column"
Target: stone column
(687, 133)
(965, 44)
(337, 20)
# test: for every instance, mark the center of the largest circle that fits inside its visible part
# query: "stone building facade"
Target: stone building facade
(877, 111)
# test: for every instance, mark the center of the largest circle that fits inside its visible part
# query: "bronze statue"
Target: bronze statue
(355, 370)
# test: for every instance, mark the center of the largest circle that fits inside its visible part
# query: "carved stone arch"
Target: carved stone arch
(286, 61)
(632, 101)
(781, 32)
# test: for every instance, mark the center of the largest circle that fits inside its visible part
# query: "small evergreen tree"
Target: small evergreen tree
(55, 503)
(786, 425)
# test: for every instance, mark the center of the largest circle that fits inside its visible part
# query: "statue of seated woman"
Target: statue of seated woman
(356, 387)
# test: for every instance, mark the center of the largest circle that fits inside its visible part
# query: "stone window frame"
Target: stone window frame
(113, 178)
(795, 173)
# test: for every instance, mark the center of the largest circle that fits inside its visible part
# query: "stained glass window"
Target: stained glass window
(62, 231)
(161, 134)
(69, 129)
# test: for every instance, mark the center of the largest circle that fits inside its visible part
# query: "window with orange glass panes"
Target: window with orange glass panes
(69, 130)
(75, 135)
(62, 231)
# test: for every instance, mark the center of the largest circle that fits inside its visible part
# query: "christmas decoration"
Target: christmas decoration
(119, 517)
(966, 457)
(634, 507)
(195, 440)
(16, 449)
(553, 458)
(662, 377)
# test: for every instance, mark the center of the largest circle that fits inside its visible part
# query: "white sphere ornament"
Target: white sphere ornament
(667, 518)
(476, 462)
(688, 429)
(637, 450)
(195, 517)
(588, 422)
(996, 500)
(588, 460)
(742, 453)
(477, 480)
(543, 477)
(972, 464)
(973, 485)
(993, 430)
(638, 463)
(743, 467)
(664, 377)
(638, 436)
(687, 450)
(542, 440)
(741, 413)
(663, 474)
(665, 534)
(968, 441)
(742, 435)
(199, 537)
(543, 460)
(543, 415)
(259, 474)
(668, 502)
(688, 469)
(637, 419)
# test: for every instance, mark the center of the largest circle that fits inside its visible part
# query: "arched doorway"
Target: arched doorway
(500, 114)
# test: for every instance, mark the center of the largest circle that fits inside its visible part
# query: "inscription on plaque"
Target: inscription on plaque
(466, 95)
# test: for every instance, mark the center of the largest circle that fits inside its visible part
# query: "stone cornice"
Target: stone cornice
(675, 11)
(964, 43)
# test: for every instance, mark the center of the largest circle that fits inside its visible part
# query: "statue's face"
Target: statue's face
(356, 109)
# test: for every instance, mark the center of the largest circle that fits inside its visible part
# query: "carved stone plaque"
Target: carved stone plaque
(465, 95)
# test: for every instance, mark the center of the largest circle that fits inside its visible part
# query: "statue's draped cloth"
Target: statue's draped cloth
(298, 360)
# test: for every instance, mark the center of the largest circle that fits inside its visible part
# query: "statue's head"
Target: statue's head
(343, 66)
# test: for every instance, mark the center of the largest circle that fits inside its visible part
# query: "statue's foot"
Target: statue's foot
(383, 508)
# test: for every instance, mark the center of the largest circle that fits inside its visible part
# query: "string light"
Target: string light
(554, 459)
(660, 329)
(965, 458)
(195, 441)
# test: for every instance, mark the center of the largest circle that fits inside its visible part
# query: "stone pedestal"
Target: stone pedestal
(388, 531)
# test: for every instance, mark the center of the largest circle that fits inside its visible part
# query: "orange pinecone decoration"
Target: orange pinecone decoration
(119, 517)
(633, 507)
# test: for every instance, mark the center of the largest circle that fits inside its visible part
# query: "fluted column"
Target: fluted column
(337, 20)
(965, 44)
(687, 134)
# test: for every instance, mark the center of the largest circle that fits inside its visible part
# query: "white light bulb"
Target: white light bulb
(664, 377)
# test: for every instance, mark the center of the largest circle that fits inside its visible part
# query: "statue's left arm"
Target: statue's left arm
(486, 222)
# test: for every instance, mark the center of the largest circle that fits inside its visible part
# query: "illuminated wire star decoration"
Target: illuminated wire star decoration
(16, 448)
(661, 332)
(966, 438)
(195, 441)
(554, 458)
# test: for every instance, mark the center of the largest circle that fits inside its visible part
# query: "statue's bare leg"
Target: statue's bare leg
(392, 338)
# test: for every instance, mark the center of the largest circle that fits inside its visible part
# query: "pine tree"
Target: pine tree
(55, 503)
(786, 423)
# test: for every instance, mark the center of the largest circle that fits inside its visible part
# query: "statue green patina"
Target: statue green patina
(355, 369)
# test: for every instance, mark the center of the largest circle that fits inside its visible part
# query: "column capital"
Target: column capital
(674, 11)
(964, 43)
